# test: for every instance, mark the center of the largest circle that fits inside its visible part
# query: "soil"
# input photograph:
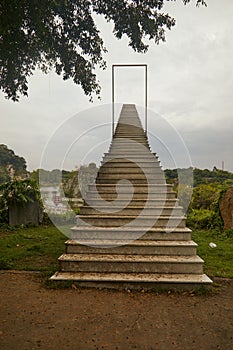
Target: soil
(34, 317)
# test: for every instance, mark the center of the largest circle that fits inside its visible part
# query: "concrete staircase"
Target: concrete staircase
(131, 231)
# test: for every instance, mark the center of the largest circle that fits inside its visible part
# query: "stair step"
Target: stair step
(125, 143)
(151, 171)
(130, 233)
(141, 221)
(131, 153)
(137, 187)
(155, 177)
(138, 143)
(109, 243)
(132, 210)
(136, 147)
(137, 132)
(134, 167)
(135, 281)
(137, 159)
(136, 202)
(107, 195)
(146, 157)
(129, 131)
(141, 247)
(128, 142)
(127, 139)
(134, 180)
(124, 160)
(130, 263)
(128, 165)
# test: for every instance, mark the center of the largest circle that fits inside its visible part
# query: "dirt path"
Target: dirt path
(33, 317)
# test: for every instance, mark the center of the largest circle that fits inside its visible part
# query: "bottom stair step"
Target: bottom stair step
(134, 280)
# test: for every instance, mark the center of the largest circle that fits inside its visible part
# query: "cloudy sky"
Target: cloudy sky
(190, 85)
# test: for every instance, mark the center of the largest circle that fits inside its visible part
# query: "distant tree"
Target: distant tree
(200, 176)
(47, 177)
(35, 175)
(207, 176)
(62, 34)
(9, 160)
(70, 183)
(171, 176)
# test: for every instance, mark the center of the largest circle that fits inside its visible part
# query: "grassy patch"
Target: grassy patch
(35, 248)
(219, 260)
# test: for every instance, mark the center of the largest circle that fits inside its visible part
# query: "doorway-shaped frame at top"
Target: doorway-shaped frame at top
(113, 90)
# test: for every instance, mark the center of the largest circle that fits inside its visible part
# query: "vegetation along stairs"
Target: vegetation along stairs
(131, 231)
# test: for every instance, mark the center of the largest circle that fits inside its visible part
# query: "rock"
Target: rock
(212, 245)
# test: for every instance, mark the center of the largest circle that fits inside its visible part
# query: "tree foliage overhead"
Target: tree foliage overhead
(62, 34)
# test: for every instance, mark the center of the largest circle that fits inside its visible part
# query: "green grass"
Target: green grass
(35, 248)
(38, 249)
(219, 260)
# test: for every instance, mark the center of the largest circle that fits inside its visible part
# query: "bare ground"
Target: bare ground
(33, 317)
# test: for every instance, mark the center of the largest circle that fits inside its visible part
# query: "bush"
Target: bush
(203, 219)
(19, 191)
(205, 196)
(17, 194)
(4, 215)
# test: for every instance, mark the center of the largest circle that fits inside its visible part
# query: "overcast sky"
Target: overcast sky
(190, 85)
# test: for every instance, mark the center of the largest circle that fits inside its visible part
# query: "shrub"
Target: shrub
(17, 192)
(203, 219)
(4, 215)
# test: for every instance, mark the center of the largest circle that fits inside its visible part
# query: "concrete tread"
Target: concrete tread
(135, 192)
(132, 277)
(189, 259)
(131, 229)
(148, 207)
(141, 217)
(138, 242)
(136, 185)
